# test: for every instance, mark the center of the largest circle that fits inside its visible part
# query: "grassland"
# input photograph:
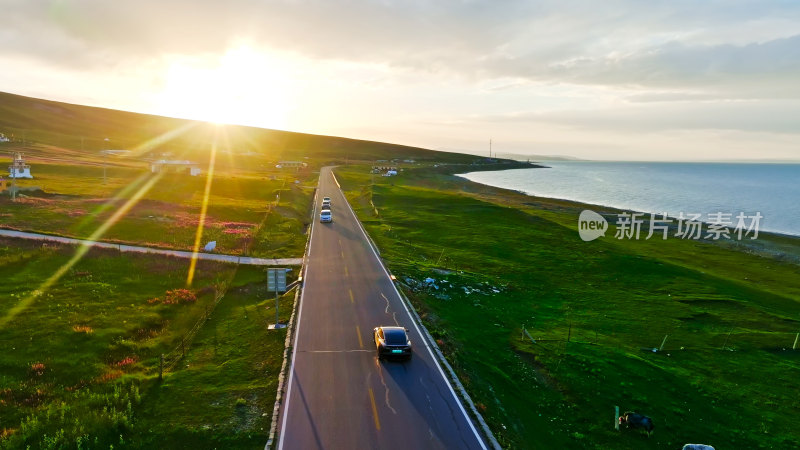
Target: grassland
(80, 366)
(76, 188)
(503, 261)
(242, 216)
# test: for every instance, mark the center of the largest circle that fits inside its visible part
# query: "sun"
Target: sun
(243, 86)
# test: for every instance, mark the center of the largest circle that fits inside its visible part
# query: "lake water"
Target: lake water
(702, 188)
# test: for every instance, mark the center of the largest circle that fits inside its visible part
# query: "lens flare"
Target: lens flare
(198, 237)
(149, 181)
(80, 252)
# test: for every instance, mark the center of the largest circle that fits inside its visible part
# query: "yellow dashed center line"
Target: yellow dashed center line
(360, 342)
(351, 296)
(346, 272)
(374, 410)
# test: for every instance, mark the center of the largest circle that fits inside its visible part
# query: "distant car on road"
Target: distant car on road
(325, 208)
(392, 342)
(325, 216)
(326, 201)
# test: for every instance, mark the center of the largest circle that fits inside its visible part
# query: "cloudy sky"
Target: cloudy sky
(615, 79)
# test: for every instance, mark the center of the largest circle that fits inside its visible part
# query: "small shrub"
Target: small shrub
(130, 360)
(154, 301)
(176, 296)
(83, 329)
(109, 376)
(240, 402)
(38, 368)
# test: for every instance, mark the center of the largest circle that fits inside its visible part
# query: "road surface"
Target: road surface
(158, 251)
(339, 395)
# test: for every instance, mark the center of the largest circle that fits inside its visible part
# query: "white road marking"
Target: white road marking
(416, 327)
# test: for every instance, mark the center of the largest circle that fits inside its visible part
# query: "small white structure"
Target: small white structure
(3, 138)
(18, 168)
(290, 164)
(386, 171)
(166, 165)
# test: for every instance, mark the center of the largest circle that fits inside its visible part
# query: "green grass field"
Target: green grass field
(502, 260)
(80, 368)
(242, 215)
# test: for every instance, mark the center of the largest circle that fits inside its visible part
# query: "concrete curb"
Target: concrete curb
(287, 346)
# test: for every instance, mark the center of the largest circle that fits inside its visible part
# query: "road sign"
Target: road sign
(276, 277)
(276, 282)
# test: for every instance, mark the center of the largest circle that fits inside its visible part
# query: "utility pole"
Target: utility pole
(490, 148)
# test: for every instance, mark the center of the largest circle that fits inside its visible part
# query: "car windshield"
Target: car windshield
(395, 337)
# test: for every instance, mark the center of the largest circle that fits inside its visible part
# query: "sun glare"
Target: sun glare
(243, 86)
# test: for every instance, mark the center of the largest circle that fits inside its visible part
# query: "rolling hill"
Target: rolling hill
(39, 125)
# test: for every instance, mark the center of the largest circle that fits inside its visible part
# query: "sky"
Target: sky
(630, 80)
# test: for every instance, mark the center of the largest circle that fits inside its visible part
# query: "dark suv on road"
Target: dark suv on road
(392, 342)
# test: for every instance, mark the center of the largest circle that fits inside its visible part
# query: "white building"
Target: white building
(290, 165)
(18, 168)
(173, 166)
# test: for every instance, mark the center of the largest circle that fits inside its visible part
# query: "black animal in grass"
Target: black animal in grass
(635, 420)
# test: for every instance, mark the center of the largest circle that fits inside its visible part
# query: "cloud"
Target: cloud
(618, 66)
(617, 42)
(768, 116)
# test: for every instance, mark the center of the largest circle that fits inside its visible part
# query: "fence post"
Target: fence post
(183, 347)
(161, 368)
(795, 341)
(616, 418)
(569, 333)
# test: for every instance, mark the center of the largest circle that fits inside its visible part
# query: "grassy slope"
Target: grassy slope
(623, 295)
(74, 203)
(63, 125)
(82, 392)
(62, 142)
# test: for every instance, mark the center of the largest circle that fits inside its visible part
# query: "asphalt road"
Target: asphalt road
(339, 395)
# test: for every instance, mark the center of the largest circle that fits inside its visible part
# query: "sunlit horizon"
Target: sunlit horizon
(671, 82)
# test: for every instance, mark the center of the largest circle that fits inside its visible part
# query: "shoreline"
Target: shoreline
(598, 207)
